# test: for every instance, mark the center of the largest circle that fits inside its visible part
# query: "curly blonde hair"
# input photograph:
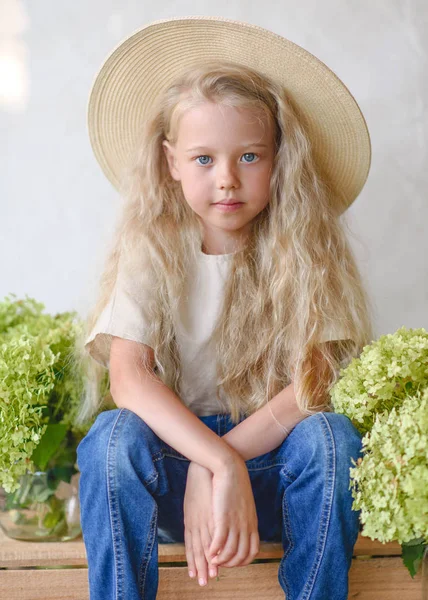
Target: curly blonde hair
(296, 277)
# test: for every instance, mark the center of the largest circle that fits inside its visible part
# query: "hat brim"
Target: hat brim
(144, 64)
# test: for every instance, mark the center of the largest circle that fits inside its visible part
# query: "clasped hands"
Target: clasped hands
(220, 519)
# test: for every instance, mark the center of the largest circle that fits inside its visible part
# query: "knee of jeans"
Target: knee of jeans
(122, 433)
(315, 433)
(94, 443)
(346, 436)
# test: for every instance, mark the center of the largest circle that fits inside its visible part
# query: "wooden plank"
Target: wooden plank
(14, 553)
(367, 547)
(383, 579)
(256, 581)
(372, 579)
(44, 584)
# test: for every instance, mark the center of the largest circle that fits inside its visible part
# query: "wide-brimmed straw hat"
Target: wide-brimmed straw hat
(144, 64)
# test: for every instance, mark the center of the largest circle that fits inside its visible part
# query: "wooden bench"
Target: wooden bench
(58, 571)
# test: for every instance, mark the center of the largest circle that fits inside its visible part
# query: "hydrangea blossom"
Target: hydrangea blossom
(39, 382)
(385, 394)
(26, 379)
(390, 482)
(386, 371)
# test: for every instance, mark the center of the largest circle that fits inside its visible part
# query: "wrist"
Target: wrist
(228, 461)
(194, 466)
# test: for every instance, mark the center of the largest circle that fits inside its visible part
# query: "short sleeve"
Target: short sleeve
(125, 315)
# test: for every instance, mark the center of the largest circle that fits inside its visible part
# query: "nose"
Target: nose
(227, 176)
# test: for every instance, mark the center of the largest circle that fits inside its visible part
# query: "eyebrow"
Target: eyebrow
(252, 145)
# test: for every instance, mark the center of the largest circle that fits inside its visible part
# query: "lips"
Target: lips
(228, 202)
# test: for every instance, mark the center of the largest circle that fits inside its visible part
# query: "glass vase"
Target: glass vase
(45, 508)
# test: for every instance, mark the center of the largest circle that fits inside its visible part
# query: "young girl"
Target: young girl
(229, 301)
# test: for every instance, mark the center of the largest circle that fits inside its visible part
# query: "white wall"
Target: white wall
(57, 208)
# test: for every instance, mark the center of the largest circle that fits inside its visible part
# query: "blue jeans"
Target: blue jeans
(132, 488)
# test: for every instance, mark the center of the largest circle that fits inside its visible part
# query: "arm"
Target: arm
(260, 433)
(135, 386)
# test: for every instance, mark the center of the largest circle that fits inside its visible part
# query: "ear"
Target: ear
(171, 159)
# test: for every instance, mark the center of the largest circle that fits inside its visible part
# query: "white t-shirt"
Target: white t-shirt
(124, 316)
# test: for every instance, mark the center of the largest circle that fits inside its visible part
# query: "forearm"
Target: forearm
(260, 433)
(158, 406)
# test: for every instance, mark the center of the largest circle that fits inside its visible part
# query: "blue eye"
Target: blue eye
(203, 156)
(206, 156)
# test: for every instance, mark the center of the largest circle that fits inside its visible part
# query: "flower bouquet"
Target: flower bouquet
(41, 383)
(385, 394)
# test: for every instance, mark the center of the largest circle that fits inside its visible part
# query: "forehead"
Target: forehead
(211, 123)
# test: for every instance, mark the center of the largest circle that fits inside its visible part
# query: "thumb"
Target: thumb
(217, 543)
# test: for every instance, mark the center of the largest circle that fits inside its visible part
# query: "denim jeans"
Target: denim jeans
(132, 487)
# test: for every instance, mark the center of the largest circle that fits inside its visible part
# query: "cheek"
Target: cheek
(261, 188)
(193, 184)
(260, 180)
(194, 192)
(266, 177)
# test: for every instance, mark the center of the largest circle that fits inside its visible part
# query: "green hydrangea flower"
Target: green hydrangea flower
(26, 379)
(385, 394)
(390, 483)
(40, 387)
(386, 371)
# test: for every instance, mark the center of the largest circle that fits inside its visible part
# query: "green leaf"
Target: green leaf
(412, 557)
(49, 444)
(51, 519)
(60, 473)
(414, 542)
(41, 493)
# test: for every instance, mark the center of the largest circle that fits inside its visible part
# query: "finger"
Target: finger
(253, 549)
(211, 529)
(255, 543)
(191, 566)
(242, 552)
(229, 549)
(206, 541)
(219, 539)
(209, 556)
(254, 546)
(200, 560)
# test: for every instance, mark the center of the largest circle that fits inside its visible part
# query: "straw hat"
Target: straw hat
(146, 62)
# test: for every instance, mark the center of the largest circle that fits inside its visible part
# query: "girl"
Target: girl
(229, 301)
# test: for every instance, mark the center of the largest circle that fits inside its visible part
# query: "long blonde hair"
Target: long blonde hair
(296, 276)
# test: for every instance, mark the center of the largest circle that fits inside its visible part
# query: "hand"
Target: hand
(236, 537)
(198, 522)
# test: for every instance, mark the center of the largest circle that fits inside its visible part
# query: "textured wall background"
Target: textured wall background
(57, 208)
